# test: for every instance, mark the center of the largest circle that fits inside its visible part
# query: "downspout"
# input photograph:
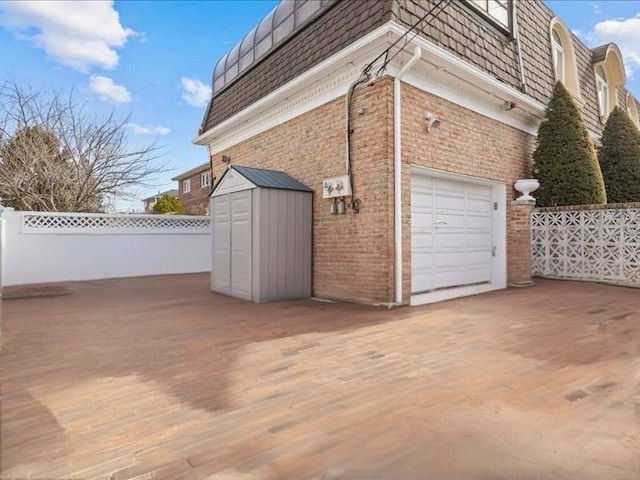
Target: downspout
(516, 30)
(397, 173)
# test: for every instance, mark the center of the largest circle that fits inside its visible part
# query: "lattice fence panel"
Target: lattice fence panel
(601, 245)
(45, 222)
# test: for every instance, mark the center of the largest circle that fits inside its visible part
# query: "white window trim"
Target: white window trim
(558, 49)
(205, 179)
(186, 185)
(602, 89)
(486, 11)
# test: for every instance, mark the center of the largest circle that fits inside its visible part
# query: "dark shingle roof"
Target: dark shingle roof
(270, 179)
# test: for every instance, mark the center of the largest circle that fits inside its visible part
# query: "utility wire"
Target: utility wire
(435, 11)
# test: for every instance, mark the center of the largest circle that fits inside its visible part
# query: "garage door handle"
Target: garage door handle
(440, 222)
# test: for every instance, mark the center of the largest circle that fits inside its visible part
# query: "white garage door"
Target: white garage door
(451, 237)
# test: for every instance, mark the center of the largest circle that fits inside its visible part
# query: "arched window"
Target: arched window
(609, 76)
(602, 86)
(558, 55)
(563, 57)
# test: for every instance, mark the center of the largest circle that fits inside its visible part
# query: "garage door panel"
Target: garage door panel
(450, 240)
(423, 199)
(478, 205)
(451, 234)
(424, 221)
(481, 191)
(440, 185)
(475, 239)
(420, 242)
(447, 202)
(449, 259)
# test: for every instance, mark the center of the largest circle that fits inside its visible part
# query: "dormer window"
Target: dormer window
(563, 57)
(602, 86)
(610, 76)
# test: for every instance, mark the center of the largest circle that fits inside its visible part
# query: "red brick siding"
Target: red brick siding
(519, 243)
(195, 201)
(352, 254)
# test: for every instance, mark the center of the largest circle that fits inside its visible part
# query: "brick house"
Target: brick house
(149, 202)
(431, 126)
(194, 187)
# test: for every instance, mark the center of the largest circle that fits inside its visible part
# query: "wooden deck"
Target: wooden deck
(159, 378)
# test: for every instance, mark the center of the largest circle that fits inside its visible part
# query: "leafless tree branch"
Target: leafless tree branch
(54, 156)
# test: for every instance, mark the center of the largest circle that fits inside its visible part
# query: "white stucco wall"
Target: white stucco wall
(54, 247)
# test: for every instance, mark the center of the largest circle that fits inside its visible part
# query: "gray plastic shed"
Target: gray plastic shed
(261, 222)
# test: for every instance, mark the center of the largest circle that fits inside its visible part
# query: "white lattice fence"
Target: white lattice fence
(47, 222)
(601, 245)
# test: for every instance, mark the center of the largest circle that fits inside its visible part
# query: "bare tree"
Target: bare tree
(56, 157)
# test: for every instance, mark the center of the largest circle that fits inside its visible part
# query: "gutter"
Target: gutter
(397, 173)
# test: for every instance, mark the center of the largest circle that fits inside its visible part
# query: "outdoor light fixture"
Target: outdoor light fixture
(432, 121)
(225, 159)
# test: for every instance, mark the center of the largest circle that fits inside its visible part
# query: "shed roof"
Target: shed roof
(263, 178)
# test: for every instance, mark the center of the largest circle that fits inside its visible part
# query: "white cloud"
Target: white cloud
(194, 92)
(147, 129)
(79, 34)
(109, 91)
(597, 8)
(624, 32)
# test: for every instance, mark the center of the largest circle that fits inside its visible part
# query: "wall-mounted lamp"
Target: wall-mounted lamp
(225, 159)
(432, 121)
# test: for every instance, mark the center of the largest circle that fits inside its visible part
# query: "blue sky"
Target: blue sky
(152, 60)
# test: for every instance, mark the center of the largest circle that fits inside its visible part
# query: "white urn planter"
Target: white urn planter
(525, 186)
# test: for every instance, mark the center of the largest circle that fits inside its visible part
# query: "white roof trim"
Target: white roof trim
(232, 181)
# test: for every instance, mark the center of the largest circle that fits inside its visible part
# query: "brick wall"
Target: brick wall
(196, 200)
(465, 143)
(519, 243)
(352, 254)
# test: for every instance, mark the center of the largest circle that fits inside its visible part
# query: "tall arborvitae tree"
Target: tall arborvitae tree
(619, 157)
(565, 160)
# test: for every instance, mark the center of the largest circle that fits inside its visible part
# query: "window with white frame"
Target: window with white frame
(186, 185)
(603, 90)
(558, 56)
(205, 179)
(497, 10)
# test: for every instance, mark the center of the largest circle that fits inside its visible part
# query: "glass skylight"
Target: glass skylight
(273, 30)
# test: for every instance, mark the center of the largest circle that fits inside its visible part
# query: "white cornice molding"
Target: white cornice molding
(439, 72)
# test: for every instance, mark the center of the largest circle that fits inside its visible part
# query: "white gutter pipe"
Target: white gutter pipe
(397, 172)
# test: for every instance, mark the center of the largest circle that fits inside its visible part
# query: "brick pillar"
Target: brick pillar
(519, 243)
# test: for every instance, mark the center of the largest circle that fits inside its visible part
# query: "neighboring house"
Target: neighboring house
(432, 156)
(149, 202)
(194, 187)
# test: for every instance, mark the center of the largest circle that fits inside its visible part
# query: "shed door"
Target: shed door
(241, 244)
(451, 235)
(221, 272)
